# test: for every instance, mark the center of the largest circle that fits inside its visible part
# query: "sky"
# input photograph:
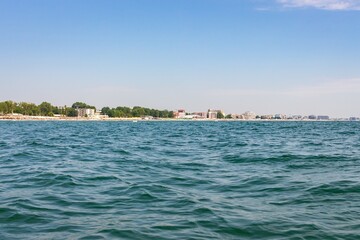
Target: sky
(266, 56)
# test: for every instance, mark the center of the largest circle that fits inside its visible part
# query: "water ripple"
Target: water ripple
(179, 180)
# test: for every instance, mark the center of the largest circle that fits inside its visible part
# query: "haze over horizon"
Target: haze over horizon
(275, 56)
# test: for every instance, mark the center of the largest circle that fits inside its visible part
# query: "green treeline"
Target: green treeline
(31, 109)
(47, 109)
(136, 112)
(81, 105)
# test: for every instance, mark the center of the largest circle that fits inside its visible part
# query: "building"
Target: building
(280, 116)
(354, 119)
(86, 112)
(249, 115)
(213, 114)
(297, 117)
(237, 116)
(98, 115)
(323, 118)
(267, 117)
(181, 113)
(147, 118)
(199, 114)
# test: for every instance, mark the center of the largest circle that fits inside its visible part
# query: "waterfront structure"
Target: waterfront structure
(86, 112)
(297, 117)
(98, 115)
(280, 116)
(190, 116)
(199, 114)
(245, 116)
(249, 115)
(237, 116)
(323, 118)
(267, 117)
(213, 114)
(147, 118)
(181, 113)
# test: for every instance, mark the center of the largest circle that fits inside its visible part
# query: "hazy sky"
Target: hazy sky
(267, 56)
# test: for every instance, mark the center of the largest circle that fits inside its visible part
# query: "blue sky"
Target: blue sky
(267, 56)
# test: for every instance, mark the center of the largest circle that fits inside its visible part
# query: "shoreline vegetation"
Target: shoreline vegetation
(79, 111)
(84, 119)
(17, 117)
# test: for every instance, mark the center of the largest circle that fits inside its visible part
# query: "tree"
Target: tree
(9, 107)
(27, 109)
(105, 110)
(220, 115)
(81, 105)
(46, 109)
(3, 108)
(138, 111)
(71, 112)
(56, 110)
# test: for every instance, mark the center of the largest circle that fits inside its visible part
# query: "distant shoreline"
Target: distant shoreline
(135, 119)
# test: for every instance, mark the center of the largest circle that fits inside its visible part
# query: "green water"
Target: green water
(180, 180)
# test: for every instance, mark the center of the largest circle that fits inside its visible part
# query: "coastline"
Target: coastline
(87, 119)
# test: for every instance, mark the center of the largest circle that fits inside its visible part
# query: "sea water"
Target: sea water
(179, 180)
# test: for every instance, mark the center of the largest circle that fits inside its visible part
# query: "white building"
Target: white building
(199, 114)
(181, 113)
(212, 114)
(249, 115)
(86, 112)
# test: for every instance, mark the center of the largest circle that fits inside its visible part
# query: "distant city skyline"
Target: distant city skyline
(275, 56)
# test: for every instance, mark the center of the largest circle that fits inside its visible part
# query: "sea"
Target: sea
(179, 180)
